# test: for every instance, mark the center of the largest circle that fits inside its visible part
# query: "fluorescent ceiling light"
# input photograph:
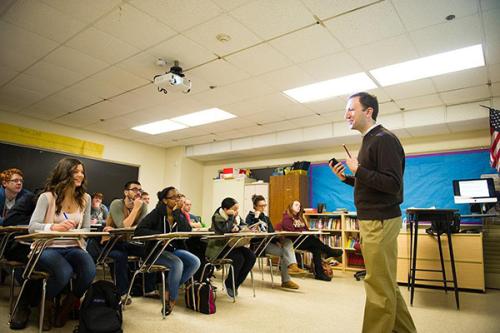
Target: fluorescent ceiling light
(158, 127)
(331, 88)
(203, 117)
(442, 63)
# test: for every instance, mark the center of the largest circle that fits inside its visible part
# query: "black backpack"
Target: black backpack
(101, 310)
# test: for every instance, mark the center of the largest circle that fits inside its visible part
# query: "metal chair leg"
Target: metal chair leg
(19, 297)
(11, 295)
(224, 275)
(42, 306)
(163, 294)
(270, 263)
(234, 284)
(253, 283)
(129, 289)
(442, 263)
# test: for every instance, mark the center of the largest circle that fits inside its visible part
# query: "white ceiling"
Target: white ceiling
(89, 64)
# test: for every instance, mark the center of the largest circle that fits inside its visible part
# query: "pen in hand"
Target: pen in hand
(347, 151)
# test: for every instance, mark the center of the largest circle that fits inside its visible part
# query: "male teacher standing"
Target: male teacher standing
(378, 191)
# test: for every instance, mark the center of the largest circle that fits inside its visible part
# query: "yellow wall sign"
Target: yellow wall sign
(31, 137)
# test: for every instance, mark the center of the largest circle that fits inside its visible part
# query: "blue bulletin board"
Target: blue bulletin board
(427, 181)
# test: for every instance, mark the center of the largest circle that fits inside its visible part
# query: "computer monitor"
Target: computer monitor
(474, 190)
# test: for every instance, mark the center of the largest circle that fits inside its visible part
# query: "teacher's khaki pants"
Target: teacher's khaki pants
(385, 309)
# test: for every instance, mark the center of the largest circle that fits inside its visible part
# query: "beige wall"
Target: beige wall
(150, 159)
(186, 175)
(455, 141)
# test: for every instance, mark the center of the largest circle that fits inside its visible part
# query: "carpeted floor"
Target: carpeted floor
(317, 306)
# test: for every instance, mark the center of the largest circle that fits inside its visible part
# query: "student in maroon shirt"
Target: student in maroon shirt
(293, 220)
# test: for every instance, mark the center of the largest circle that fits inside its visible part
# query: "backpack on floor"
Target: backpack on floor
(204, 296)
(101, 310)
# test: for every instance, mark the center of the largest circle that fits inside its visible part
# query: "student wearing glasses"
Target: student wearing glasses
(181, 263)
(11, 190)
(126, 213)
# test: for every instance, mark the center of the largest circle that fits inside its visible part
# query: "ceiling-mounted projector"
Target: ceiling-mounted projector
(174, 79)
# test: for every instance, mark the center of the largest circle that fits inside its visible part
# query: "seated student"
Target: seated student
(293, 220)
(99, 211)
(282, 247)
(126, 213)
(194, 244)
(11, 190)
(227, 220)
(64, 206)
(145, 197)
(182, 264)
(20, 214)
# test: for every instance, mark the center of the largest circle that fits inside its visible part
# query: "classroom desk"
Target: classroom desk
(8, 233)
(41, 240)
(162, 241)
(115, 235)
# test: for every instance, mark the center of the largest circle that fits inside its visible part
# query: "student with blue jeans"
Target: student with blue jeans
(181, 263)
(64, 206)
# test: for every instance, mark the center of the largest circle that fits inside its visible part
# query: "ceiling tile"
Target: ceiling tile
(259, 59)
(492, 26)
(85, 11)
(420, 102)
(102, 110)
(287, 78)
(310, 120)
(448, 36)
(487, 5)
(102, 46)
(462, 79)
(495, 89)
(465, 95)
(21, 48)
(36, 85)
(334, 116)
(282, 125)
(134, 27)
(75, 61)
(363, 26)
(120, 78)
(188, 53)
(230, 4)
(197, 140)
(423, 13)
(81, 118)
(219, 73)
(179, 14)
(492, 53)
(99, 88)
(388, 108)
(142, 65)
(46, 109)
(329, 105)
(328, 8)
(14, 98)
(52, 73)
(307, 44)
(108, 127)
(411, 89)
(385, 52)
(331, 66)
(43, 20)
(205, 34)
(269, 19)
(6, 74)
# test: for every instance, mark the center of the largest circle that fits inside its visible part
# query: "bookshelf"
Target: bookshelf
(342, 232)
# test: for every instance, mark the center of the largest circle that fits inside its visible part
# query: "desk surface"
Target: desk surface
(61, 234)
(14, 228)
(170, 235)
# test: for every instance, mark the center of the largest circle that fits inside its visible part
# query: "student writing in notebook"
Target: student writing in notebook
(64, 206)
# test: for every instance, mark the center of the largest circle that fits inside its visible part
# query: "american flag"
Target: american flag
(495, 139)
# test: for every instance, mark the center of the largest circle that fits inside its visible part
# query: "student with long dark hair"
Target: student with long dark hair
(181, 263)
(227, 220)
(293, 220)
(64, 206)
(282, 247)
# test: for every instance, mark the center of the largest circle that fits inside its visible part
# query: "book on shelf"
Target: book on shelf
(352, 242)
(351, 223)
(325, 223)
(355, 260)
